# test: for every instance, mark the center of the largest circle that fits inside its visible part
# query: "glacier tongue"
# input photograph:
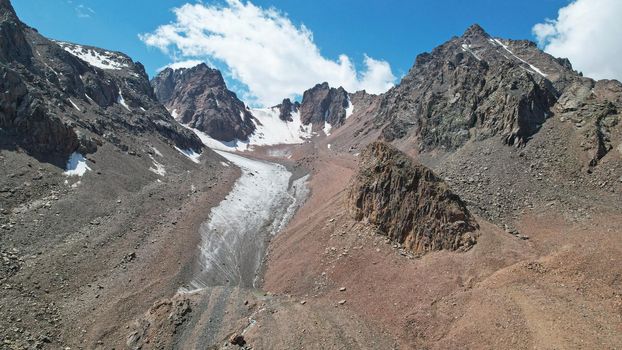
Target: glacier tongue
(234, 238)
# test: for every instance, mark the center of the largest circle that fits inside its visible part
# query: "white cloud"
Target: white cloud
(181, 64)
(83, 11)
(587, 32)
(264, 50)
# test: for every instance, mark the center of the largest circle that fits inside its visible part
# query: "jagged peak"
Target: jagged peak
(475, 30)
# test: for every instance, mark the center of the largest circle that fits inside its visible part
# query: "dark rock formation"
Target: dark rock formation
(286, 108)
(471, 87)
(408, 202)
(198, 97)
(55, 103)
(323, 104)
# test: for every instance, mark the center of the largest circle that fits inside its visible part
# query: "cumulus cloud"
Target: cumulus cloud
(587, 32)
(263, 50)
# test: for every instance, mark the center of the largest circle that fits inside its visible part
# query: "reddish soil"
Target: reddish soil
(561, 288)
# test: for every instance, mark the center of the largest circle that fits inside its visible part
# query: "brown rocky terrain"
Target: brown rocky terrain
(408, 203)
(199, 97)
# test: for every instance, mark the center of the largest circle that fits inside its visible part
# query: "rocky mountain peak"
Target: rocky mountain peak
(323, 104)
(408, 202)
(474, 87)
(199, 97)
(475, 31)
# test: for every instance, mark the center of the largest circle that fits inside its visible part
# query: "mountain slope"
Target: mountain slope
(94, 176)
(59, 103)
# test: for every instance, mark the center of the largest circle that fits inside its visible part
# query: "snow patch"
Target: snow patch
(159, 168)
(156, 151)
(534, 68)
(349, 109)
(100, 58)
(327, 128)
(467, 48)
(224, 164)
(270, 130)
(190, 153)
(76, 165)
(121, 101)
(328, 146)
(74, 105)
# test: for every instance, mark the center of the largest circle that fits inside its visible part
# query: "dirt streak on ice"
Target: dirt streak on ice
(234, 238)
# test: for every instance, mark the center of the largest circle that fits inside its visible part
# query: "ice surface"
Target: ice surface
(76, 165)
(234, 238)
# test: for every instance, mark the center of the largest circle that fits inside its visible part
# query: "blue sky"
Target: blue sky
(389, 31)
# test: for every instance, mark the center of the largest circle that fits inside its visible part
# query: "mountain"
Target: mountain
(476, 86)
(199, 98)
(66, 97)
(473, 205)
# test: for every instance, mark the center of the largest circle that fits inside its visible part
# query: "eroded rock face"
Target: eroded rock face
(323, 104)
(409, 203)
(199, 97)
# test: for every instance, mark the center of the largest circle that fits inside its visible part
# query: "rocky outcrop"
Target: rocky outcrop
(62, 97)
(323, 104)
(408, 203)
(199, 97)
(286, 108)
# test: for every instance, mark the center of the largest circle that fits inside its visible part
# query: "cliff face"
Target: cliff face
(199, 97)
(409, 203)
